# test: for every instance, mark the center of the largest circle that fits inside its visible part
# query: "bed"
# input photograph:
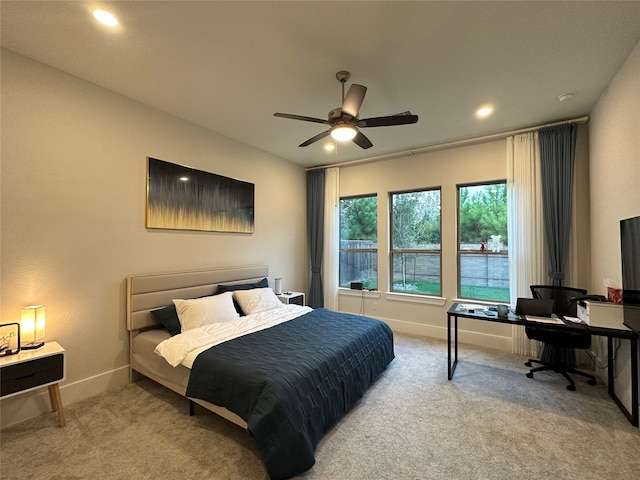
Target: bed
(285, 373)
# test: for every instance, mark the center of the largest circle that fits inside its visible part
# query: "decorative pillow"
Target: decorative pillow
(257, 300)
(205, 311)
(168, 316)
(264, 283)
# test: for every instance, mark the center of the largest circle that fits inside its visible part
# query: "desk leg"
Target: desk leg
(451, 366)
(632, 415)
(611, 367)
(635, 421)
(56, 403)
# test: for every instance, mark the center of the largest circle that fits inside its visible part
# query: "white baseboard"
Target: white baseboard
(464, 336)
(19, 408)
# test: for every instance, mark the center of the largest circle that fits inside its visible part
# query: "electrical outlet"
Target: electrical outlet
(374, 306)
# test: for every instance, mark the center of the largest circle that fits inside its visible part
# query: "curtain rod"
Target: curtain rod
(456, 143)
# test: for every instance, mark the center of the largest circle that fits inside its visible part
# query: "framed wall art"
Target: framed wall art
(9, 338)
(183, 198)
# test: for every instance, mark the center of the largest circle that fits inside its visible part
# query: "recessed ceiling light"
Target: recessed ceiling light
(566, 96)
(106, 18)
(329, 147)
(484, 111)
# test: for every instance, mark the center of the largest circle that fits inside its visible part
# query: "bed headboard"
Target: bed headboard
(149, 292)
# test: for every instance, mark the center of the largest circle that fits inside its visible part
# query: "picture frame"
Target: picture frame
(184, 198)
(9, 338)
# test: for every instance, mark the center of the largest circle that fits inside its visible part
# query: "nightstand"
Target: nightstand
(31, 369)
(291, 298)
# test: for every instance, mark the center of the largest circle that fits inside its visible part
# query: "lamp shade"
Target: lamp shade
(32, 323)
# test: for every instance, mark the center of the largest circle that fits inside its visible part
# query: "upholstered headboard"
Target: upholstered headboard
(149, 292)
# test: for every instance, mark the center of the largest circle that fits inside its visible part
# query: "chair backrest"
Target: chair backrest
(540, 307)
(562, 295)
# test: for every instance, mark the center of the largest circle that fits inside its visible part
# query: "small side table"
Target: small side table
(31, 369)
(291, 298)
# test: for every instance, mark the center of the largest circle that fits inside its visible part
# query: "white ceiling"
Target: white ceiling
(228, 66)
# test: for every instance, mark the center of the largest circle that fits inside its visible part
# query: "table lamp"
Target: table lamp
(32, 327)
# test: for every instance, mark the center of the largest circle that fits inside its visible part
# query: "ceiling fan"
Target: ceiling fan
(344, 120)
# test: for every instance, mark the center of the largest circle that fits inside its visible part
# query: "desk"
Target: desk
(610, 331)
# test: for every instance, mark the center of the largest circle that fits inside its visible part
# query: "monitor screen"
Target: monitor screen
(630, 252)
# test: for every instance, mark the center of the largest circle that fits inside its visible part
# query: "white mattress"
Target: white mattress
(142, 354)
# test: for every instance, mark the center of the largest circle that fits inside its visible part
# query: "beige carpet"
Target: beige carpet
(490, 422)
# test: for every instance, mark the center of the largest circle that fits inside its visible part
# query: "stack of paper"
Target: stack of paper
(533, 318)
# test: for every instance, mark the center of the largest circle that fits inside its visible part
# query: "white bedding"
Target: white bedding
(185, 347)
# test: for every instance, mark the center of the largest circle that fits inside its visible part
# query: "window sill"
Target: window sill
(488, 303)
(347, 292)
(410, 298)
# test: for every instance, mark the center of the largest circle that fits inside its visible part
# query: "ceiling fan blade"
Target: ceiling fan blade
(362, 141)
(353, 101)
(320, 136)
(301, 117)
(387, 121)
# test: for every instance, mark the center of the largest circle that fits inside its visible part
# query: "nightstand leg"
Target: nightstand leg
(56, 403)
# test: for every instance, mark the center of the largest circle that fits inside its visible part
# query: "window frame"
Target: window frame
(393, 251)
(474, 252)
(357, 250)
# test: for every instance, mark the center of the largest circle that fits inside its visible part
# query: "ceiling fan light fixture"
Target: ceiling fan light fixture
(342, 133)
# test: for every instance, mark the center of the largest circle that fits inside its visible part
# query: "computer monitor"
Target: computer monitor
(630, 253)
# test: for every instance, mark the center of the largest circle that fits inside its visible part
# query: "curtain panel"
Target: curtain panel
(526, 240)
(315, 233)
(557, 157)
(330, 262)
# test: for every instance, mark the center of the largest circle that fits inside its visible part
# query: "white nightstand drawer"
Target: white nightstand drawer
(292, 298)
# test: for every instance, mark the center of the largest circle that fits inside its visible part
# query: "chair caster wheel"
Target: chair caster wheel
(530, 375)
(591, 382)
(528, 364)
(571, 388)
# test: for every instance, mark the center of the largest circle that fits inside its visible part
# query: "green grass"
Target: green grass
(499, 294)
(423, 288)
(474, 292)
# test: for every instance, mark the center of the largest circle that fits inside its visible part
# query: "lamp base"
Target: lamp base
(31, 346)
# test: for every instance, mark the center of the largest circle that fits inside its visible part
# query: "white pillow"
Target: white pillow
(257, 300)
(205, 311)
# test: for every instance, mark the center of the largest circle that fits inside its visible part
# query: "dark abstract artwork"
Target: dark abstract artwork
(183, 198)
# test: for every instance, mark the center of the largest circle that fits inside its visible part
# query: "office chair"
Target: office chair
(560, 341)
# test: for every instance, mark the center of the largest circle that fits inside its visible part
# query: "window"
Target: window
(483, 246)
(415, 242)
(359, 241)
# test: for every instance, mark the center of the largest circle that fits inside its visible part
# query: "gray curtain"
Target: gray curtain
(315, 233)
(557, 154)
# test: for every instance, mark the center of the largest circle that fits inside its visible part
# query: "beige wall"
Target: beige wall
(614, 144)
(73, 206)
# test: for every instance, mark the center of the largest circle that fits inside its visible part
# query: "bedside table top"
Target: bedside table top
(48, 349)
(288, 294)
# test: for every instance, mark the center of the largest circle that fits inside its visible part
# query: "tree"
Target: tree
(415, 223)
(483, 212)
(359, 219)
